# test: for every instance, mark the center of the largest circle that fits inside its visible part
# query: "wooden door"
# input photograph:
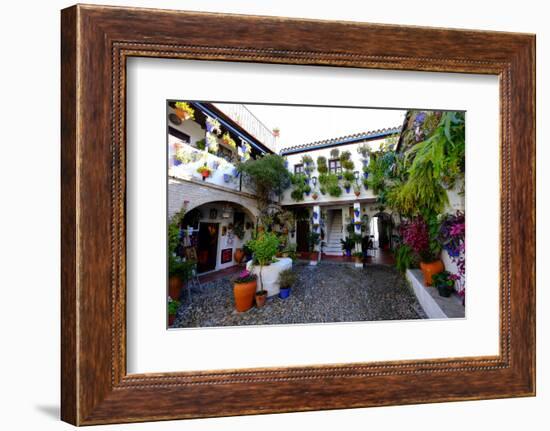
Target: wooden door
(302, 232)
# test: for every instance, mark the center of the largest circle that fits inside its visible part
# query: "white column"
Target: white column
(316, 227)
(357, 218)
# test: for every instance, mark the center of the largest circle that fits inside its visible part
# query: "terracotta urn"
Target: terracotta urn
(244, 295)
(239, 255)
(174, 287)
(429, 269)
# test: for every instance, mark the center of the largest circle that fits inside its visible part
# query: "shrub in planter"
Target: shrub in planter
(287, 278)
(244, 288)
(347, 245)
(349, 176)
(322, 165)
(444, 283)
(264, 247)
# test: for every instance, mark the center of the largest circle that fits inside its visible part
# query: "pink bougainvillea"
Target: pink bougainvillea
(415, 235)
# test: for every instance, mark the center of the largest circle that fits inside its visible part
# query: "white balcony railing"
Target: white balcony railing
(249, 122)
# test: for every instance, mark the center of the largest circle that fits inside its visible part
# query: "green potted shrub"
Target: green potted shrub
(347, 245)
(287, 278)
(173, 306)
(444, 283)
(264, 247)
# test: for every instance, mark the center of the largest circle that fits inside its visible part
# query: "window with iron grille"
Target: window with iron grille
(334, 166)
(299, 169)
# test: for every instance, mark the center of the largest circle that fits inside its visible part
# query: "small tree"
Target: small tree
(264, 247)
(266, 175)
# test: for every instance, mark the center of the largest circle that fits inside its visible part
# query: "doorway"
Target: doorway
(302, 232)
(207, 247)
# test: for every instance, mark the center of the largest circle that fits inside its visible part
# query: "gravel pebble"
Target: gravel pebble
(328, 292)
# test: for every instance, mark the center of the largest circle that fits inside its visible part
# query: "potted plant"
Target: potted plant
(184, 111)
(229, 141)
(347, 186)
(358, 258)
(357, 189)
(418, 235)
(287, 278)
(444, 283)
(227, 177)
(347, 245)
(264, 247)
(244, 288)
(173, 306)
(205, 171)
(179, 270)
(315, 195)
(313, 239)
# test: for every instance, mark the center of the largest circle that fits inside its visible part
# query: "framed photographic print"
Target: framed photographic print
(323, 222)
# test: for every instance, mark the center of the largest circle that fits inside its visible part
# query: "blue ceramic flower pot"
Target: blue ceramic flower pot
(226, 177)
(284, 292)
(176, 162)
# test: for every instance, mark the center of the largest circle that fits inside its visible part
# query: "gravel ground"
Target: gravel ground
(329, 292)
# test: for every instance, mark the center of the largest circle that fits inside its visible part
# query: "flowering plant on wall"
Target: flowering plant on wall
(452, 238)
(211, 143)
(229, 141)
(244, 151)
(416, 235)
(184, 111)
(213, 126)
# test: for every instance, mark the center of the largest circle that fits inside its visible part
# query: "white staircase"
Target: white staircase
(334, 235)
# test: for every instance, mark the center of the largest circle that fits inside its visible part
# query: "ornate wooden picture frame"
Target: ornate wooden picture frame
(96, 42)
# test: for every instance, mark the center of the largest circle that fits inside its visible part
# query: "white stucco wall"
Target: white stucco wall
(296, 159)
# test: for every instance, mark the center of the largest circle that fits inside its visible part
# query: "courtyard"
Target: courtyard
(325, 293)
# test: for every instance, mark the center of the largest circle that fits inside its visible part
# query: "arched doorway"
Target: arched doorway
(213, 231)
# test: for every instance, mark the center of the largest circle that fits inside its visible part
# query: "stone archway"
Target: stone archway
(195, 194)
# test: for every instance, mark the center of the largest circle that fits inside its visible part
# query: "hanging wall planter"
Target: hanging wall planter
(227, 177)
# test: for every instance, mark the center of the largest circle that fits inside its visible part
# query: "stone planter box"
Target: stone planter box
(270, 274)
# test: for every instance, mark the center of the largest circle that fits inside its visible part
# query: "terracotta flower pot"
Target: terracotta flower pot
(244, 295)
(429, 269)
(357, 194)
(205, 174)
(239, 255)
(184, 115)
(174, 287)
(260, 299)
